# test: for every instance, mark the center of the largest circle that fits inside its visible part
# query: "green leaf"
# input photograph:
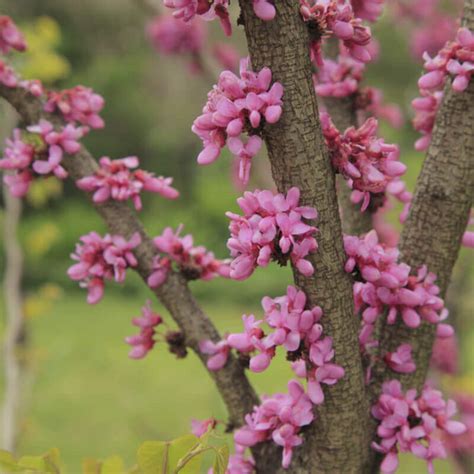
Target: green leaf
(113, 465)
(7, 462)
(222, 459)
(158, 457)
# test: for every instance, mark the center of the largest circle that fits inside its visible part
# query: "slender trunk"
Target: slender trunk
(337, 441)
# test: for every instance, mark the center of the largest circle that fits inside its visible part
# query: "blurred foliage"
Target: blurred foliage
(183, 455)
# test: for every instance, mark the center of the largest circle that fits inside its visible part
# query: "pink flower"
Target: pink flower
(445, 356)
(116, 180)
(193, 262)
(367, 9)
(367, 162)
(411, 424)
(199, 428)
(338, 18)
(218, 352)
(79, 104)
(264, 9)
(272, 228)
(233, 104)
(279, 417)
(187, 10)
(8, 76)
(143, 342)
(401, 360)
(102, 258)
(10, 36)
(170, 35)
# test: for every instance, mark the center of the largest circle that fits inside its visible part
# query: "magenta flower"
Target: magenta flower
(237, 105)
(279, 417)
(8, 76)
(102, 258)
(218, 353)
(264, 9)
(10, 36)
(272, 228)
(401, 360)
(193, 262)
(187, 10)
(120, 181)
(367, 162)
(411, 424)
(199, 428)
(143, 342)
(79, 104)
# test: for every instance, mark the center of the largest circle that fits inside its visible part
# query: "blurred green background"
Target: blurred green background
(84, 395)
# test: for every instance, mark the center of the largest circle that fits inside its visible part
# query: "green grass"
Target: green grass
(86, 397)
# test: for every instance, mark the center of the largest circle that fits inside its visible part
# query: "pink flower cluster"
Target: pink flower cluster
(10, 36)
(234, 106)
(401, 360)
(462, 445)
(368, 9)
(143, 342)
(208, 10)
(367, 162)
(171, 36)
(411, 424)
(384, 283)
(296, 329)
(271, 228)
(102, 258)
(340, 77)
(119, 180)
(280, 418)
(264, 9)
(42, 156)
(456, 58)
(193, 262)
(9, 78)
(79, 104)
(335, 17)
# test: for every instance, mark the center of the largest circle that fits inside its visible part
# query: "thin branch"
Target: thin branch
(174, 294)
(338, 440)
(438, 216)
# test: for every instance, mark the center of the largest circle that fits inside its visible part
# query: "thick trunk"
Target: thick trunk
(337, 441)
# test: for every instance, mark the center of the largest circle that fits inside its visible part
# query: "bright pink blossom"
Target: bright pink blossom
(264, 9)
(187, 10)
(10, 36)
(333, 17)
(199, 428)
(237, 105)
(100, 259)
(367, 162)
(279, 418)
(411, 424)
(193, 262)
(272, 228)
(401, 360)
(119, 180)
(455, 59)
(79, 104)
(143, 342)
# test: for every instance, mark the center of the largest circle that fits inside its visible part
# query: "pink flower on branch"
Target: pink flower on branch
(401, 360)
(367, 162)
(100, 259)
(411, 424)
(143, 342)
(271, 228)
(193, 262)
(236, 106)
(120, 181)
(10, 36)
(79, 104)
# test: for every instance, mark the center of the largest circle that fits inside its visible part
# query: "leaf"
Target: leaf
(113, 465)
(48, 463)
(152, 457)
(158, 457)
(222, 460)
(7, 462)
(91, 466)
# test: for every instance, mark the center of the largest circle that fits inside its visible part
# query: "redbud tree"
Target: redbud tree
(366, 306)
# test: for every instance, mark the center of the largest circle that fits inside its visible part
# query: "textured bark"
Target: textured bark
(354, 222)
(439, 212)
(174, 294)
(337, 442)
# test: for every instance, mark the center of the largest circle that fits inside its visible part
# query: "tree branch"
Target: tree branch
(438, 216)
(338, 440)
(174, 294)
